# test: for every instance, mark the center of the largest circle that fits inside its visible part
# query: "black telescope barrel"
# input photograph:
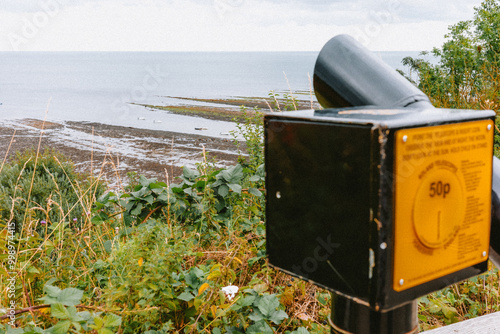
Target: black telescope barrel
(495, 215)
(346, 74)
(349, 75)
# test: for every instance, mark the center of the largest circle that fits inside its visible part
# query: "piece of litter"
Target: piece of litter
(230, 291)
(304, 317)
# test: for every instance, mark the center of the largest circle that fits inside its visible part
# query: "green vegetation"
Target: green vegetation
(151, 258)
(36, 188)
(158, 257)
(467, 75)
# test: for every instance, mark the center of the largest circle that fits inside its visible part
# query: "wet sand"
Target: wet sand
(116, 150)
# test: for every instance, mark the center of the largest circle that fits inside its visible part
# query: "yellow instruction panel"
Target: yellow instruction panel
(442, 200)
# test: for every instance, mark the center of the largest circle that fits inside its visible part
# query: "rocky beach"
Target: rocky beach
(113, 151)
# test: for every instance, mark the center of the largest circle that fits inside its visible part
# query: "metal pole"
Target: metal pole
(349, 316)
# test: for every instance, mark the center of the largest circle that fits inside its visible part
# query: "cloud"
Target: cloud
(444, 11)
(225, 25)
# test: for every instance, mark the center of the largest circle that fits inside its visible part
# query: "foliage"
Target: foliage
(153, 258)
(63, 311)
(201, 201)
(288, 101)
(474, 297)
(44, 187)
(467, 75)
(151, 283)
(252, 131)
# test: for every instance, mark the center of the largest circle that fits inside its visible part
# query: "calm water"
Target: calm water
(99, 87)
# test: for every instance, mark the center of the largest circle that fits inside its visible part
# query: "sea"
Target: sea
(112, 87)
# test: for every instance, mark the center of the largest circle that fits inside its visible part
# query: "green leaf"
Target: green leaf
(52, 291)
(59, 311)
(49, 300)
(321, 300)
(35, 330)
(449, 312)
(223, 190)
(137, 210)
(268, 304)
(186, 296)
(435, 308)
(232, 175)
(165, 197)
(70, 296)
(140, 193)
(145, 181)
(278, 316)
(96, 220)
(108, 246)
(112, 320)
(256, 315)
(300, 330)
(85, 315)
(99, 322)
(255, 192)
(190, 174)
(246, 301)
(73, 315)
(260, 327)
(235, 187)
(77, 326)
(254, 178)
(150, 199)
(62, 327)
(424, 300)
(33, 270)
(260, 288)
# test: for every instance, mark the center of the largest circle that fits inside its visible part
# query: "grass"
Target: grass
(129, 268)
(154, 256)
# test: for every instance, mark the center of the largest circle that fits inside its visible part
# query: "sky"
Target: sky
(225, 25)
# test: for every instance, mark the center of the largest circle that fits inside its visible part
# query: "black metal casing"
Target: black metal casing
(329, 179)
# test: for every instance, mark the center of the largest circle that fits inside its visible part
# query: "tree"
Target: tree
(467, 74)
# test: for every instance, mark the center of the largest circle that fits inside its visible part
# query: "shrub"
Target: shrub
(44, 187)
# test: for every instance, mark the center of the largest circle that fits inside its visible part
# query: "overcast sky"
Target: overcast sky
(225, 25)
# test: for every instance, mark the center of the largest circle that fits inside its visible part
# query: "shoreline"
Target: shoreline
(230, 109)
(114, 150)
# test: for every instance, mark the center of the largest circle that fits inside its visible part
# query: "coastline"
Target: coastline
(113, 151)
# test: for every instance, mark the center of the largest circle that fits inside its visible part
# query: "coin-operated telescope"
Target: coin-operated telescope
(380, 197)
